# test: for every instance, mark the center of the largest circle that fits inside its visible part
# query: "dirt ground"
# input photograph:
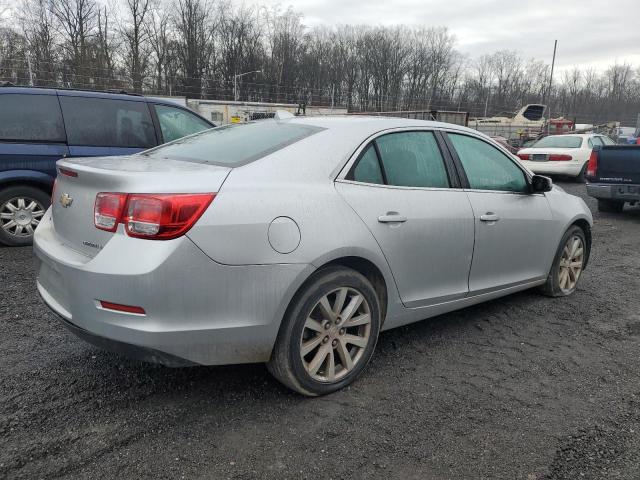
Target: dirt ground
(524, 387)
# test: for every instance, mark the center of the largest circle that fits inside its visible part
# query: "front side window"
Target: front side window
(412, 159)
(103, 122)
(487, 168)
(596, 141)
(177, 123)
(30, 118)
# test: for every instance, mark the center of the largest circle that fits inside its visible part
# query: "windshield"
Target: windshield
(234, 145)
(558, 142)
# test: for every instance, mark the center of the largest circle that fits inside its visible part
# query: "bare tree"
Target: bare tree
(135, 34)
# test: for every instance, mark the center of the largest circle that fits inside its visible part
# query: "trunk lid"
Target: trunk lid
(74, 197)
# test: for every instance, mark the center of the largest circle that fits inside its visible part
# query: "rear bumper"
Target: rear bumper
(626, 193)
(569, 168)
(197, 311)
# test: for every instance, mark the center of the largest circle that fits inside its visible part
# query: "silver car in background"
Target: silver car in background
(295, 242)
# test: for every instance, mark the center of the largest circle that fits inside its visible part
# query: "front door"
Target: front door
(401, 189)
(513, 227)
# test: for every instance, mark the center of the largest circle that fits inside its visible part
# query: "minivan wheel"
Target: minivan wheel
(21, 209)
(328, 334)
(567, 265)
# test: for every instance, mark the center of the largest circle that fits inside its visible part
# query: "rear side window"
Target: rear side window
(487, 168)
(35, 118)
(368, 168)
(412, 159)
(235, 145)
(102, 122)
(177, 123)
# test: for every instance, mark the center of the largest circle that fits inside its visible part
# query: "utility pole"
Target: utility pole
(553, 64)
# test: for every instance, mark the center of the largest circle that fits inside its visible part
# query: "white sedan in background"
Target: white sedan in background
(562, 154)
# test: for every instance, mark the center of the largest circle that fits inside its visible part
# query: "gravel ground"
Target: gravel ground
(523, 387)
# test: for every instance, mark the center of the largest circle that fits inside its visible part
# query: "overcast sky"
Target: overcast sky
(589, 33)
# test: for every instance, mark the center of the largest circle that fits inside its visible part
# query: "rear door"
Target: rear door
(514, 233)
(98, 126)
(403, 189)
(32, 136)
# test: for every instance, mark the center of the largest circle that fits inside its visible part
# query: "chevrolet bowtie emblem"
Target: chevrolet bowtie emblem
(66, 200)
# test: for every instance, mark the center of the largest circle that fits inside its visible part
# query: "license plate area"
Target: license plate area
(539, 157)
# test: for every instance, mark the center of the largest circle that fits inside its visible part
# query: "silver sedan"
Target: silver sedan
(296, 241)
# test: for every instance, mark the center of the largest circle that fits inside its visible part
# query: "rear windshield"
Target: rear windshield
(234, 145)
(558, 142)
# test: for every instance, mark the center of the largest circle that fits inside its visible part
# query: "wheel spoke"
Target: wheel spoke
(318, 359)
(18, 230)
(21, 204)
(345, 356)
(351, 308)
(338, 305)
(11, 207)
(325, 309)
(330, 369)
(359, 320)
(29, 229)
(31, 206)
(314, 325)
(9, 225)
(355, 340)
(37, 213)
(6, 215)
(310, 345)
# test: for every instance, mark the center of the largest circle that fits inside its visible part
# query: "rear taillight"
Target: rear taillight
(153, 216)
(592, 166)
(67, 172)
(524, 156)
(554, 157)
(108, 209)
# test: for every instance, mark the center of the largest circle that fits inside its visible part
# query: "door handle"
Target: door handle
(392, 217)
(489, 217)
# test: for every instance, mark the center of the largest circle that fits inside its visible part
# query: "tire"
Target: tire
(556, 284)
(21, 209)
(287, 363)
(610, 206)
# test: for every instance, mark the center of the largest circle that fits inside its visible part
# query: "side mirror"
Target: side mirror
(541, 184)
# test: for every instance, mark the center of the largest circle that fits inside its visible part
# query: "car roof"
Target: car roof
(120, 95)
(365, 124)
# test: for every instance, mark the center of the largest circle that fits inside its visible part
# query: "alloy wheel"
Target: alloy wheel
(19, 216)
(571, 263)
(335, 334)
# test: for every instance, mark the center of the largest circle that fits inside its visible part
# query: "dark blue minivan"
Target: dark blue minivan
(39, 126)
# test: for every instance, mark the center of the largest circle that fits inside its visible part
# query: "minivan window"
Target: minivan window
(177, 123)
(235, 145)
(102, 122)
(34, 118)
